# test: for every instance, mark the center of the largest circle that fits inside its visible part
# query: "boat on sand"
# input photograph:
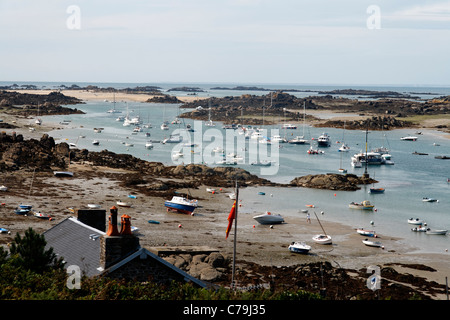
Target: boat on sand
(269, 218)
(299, 247)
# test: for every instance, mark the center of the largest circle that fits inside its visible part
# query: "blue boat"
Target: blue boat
(181, 205)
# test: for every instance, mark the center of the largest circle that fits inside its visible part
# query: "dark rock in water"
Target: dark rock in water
(332, 181)
(164, 99)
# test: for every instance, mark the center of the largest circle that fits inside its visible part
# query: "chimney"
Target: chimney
(115, 246)
(95, 218)
(126, 225)
(112, 227)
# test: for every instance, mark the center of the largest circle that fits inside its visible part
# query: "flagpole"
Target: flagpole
(235, 234)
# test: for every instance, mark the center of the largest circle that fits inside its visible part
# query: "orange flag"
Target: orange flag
(231, 217)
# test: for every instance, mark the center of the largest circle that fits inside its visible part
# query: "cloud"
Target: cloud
(437, 12)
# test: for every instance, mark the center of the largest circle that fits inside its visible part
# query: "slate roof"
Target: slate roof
(77, 243)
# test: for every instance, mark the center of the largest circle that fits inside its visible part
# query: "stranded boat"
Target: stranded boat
(181, 205)
(299, 247)
(269, 218)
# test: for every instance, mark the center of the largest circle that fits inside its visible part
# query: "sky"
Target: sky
(387, 42)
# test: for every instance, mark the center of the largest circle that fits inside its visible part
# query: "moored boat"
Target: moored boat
(415, 221)
(63, 174)
(123, 204)
(366, 233)
(436, 231)
(322, 239)
(426, 199)
(376, 190)
(323, 140)
(365, 205)
(299, 247)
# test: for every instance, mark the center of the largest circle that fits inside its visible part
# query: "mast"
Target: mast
(366, 174)
(235, 234)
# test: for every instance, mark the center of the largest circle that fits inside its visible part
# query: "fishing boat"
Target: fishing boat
(299, 247)
(63, 173)
(322, 239)
(376, 190)
(415, 221)
(323, 140)
(371, 243)
(435, 231)
(366, 233)
(426, 199)
(365, 205)
(269, 218)
(181, 205)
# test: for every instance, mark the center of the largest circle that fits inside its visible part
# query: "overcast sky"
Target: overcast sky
(391, 42)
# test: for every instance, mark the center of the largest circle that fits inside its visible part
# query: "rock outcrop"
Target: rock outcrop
(332, 181)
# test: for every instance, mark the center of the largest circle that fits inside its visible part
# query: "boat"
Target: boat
(371, 243)
(94, 206)
(123, 204)
(426, 199)
(232, 196)
(3, 188)
(298, 140)
(442, 157)
(41, 215)
(269, 218)
(63, 173)
(365, 205)
(149, 145)
(420, 229)
(153, 221)
(279, 139)
(22, 211)
(289, 126)
(438, 232)
(409, 138)
(344, 148)
(181, 205)
(95, 142)
(4, 230)
(299, 247)
(373, 158)
(314, 151)
(323, 140)
(356, 163)
(322, 239)
(376, 190)
(366, 233)
(420, 153)
(415, 221)
(211, 190)
(176, 138)
(164, 126)
(263, 163)
(98, 130)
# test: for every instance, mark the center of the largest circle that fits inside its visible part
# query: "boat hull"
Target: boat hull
(370, 243)
(180, 208)
(322, 239)
(269, 219)
(301, 248)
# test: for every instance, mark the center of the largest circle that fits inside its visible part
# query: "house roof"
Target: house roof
(143, 253)
(77, 243)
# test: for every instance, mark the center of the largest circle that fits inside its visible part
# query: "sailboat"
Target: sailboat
(209, 123)
(344, 147)
(165, 124)
(38, 120)
(301, 139)
(322, 238)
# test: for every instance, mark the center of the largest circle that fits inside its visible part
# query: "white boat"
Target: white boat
(314, 151)
(177, 154)
(409, 138)
(181, 205)
(438, 232)
(416, 221)
(344, 148)
(269, 218)
(298, 140)
(41, 215)
(420, 229)
(279, 139)
(149, 145)
(211, 190)
(173, 139)
(323, 140)
(263, 163)
(426, 199)
(94, 206)
(371, 243)
(299, 247)
(123, 204)
(366, 233)
(232, 196)
(129, 144)
(3, 188)
(164, 126)
(218, 150)
(322, 239)
(95, 142)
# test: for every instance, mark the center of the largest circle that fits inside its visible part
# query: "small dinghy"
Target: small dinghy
(366, 233)
(41, 215)
(415, 221)
(322, 239)
(438, 232)
(299, 247)
(371, 243)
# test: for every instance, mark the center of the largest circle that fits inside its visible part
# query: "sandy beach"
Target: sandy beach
(257, 243)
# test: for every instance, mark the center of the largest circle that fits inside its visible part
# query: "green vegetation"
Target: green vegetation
(29, 272)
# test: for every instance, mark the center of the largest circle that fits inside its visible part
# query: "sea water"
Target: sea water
(411, 178)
